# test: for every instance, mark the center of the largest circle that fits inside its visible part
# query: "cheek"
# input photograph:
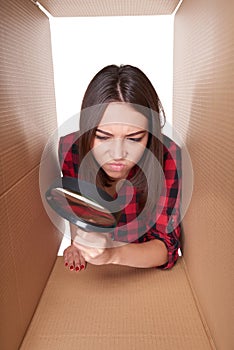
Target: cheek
(96, 153)
(137, 154)
(100, 152)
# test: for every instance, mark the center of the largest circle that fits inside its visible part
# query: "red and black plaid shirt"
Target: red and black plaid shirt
(165, 223)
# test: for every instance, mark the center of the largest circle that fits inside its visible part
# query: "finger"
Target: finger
(83, 266)
(66, 255)
(79, 260)
(82, 263)
(76, 261)
(70, 260)
(82, 256)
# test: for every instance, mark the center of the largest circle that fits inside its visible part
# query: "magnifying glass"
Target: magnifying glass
(81, 209)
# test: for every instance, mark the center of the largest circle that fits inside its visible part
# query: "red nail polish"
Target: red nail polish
(77, 268)
(71, 267)
(66, 264)
(82, 267)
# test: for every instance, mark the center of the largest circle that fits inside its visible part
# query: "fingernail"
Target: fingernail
(71, 267)
(82, 267)
(77, 268)
(66, 264)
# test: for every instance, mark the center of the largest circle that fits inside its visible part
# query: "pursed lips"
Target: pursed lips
(116, 166)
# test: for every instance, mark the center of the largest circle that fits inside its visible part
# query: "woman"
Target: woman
(120, 139)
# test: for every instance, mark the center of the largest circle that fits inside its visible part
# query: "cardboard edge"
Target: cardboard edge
(198, 306)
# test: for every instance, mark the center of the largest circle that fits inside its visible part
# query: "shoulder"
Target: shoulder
(169, 145)
(66, 142)
(170, 148)
(68, 154)
(171, 155)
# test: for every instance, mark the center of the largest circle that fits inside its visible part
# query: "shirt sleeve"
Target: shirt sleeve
(167, 227)
(68, 155)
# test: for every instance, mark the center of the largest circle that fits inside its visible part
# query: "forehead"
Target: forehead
(123, 114)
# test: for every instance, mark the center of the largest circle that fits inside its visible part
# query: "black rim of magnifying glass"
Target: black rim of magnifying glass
(91, 192)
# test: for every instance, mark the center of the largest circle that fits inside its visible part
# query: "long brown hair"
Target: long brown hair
(127, 84)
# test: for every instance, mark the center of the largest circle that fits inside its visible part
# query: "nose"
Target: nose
(117, 149)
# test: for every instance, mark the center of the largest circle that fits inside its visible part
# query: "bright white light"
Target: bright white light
(82, 46)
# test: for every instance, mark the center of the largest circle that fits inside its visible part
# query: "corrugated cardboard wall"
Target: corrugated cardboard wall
(203, 114)
(76, 8)
(28, 241)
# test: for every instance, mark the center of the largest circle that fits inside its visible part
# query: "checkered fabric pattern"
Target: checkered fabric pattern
(133, 226)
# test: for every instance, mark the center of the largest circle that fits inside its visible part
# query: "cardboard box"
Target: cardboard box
(113, 307)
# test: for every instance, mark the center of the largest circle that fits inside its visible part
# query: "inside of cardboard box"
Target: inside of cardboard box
(202, 110)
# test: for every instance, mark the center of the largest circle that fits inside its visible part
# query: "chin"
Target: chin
(116, 175)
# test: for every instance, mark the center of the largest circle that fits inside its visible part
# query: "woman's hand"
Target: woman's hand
(73, 259)
(94, 247)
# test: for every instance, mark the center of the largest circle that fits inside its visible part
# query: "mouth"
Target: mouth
(116, 166)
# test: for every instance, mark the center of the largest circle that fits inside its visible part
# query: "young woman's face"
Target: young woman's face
(120, 139)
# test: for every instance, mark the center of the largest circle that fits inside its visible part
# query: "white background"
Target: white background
(82, 46)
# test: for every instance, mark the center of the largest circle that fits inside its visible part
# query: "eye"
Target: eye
(102, 138)
(135, 139)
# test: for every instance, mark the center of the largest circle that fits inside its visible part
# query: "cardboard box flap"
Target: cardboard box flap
(74, 8)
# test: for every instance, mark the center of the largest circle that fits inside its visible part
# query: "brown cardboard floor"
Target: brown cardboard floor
(113, 307)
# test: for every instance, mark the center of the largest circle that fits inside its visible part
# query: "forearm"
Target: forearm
(143, 255)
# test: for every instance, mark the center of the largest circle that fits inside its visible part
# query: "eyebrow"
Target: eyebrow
(132, 134)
